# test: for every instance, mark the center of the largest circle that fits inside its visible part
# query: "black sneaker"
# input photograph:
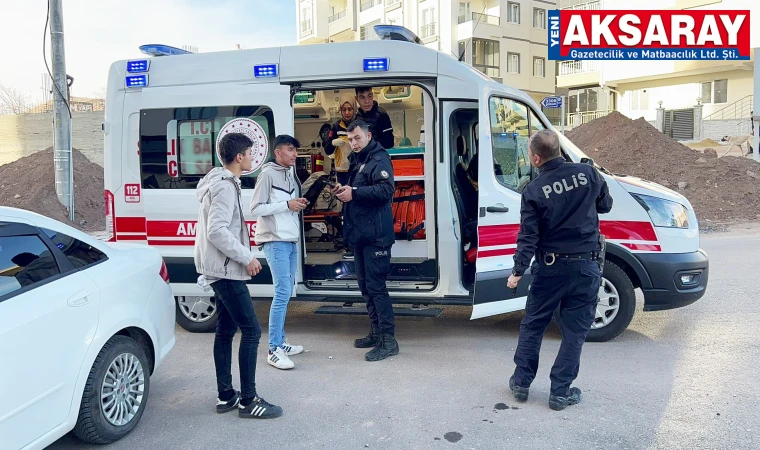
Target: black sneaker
(259, 409)
(368, 341)
(520, 393)
(348, 253)
(227, 406)
(559, 403)
(387, 347)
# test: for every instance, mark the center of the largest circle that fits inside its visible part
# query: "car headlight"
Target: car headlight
(664, 213)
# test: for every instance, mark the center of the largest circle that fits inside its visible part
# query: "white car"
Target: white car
(84, 325)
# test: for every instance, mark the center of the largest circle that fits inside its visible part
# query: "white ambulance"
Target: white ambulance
(165, 113)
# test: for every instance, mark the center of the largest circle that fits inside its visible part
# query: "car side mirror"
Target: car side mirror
(588, 161)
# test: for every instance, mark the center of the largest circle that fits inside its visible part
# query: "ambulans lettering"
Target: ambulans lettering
(186, 229)
(566, 185)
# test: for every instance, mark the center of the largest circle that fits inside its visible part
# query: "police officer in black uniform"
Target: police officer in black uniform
(368, 227)
(560, 227)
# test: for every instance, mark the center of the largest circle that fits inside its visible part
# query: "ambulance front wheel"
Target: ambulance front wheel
(614, 311)
(196, 314)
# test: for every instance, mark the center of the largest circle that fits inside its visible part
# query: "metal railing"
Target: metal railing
(593, 5)
(579, 118)
(369, 4)
(480, 18)
(576, 67)
(740, 109)
(427, 31)
(337, 16)
(391, 2)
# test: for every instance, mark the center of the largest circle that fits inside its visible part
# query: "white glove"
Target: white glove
(339, 142)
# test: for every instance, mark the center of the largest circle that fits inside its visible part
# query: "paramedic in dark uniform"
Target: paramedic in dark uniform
(368, 228)
(560, 226)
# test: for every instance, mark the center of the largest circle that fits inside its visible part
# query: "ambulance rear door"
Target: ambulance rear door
(504, 128)
(178, 132)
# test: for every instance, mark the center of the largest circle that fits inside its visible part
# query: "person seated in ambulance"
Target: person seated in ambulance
(336, 142)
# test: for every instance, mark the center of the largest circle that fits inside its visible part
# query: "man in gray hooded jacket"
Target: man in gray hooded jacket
(224, 260)
(276, 204)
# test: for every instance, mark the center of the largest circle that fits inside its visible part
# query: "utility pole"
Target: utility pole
(63, 156)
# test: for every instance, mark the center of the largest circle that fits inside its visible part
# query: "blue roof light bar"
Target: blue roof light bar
(162, 50)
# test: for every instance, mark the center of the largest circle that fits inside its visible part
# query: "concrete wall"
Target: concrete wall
(26, 134)
(716, 129)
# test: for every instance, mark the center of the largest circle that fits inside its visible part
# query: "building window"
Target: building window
(539, 67)
(427, 23)
(513, 12)
(486, 57)
(720, 91)
(367, 32)
(465, 9)
(513, 63)
(639, 100)
(706, 95)
(539, 18)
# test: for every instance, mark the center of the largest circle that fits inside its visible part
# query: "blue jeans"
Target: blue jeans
(235, 309)
(281, 258)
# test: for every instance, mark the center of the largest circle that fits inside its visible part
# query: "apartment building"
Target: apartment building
(687, 91)
(505, 39)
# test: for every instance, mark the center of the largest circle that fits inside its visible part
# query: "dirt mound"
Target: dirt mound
(721, 190)
(706, 143)
(29, 183)
(710, 153)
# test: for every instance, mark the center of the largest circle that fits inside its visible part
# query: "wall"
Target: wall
(716, 129)
(27, 134)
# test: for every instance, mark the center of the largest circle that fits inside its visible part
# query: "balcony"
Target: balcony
(390, 5)
(367, 4)
(578, 73)
(428, 31)
(479, 18)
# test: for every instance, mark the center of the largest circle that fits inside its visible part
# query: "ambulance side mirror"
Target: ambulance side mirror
(588, 161)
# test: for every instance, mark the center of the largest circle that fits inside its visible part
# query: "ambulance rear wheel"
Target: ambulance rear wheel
(196, 314)
(617, 303)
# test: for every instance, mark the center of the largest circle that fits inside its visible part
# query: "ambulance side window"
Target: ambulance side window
(510, 131)
(178, 145)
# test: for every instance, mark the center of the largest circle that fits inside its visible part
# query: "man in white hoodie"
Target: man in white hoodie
(276, 205)
(224, 260)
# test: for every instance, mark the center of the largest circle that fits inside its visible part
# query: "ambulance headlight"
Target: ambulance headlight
(664, 213)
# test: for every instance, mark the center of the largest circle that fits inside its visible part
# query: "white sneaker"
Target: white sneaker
(279, 359)
(291, 350)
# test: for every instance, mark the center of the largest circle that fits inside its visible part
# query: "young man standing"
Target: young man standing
(276, 204)
(224, 260)
(368, 227)
(378, 120)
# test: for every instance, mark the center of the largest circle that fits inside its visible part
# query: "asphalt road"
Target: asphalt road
(685, 378)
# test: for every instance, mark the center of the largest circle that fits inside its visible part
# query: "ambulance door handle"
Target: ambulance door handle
(497, 209)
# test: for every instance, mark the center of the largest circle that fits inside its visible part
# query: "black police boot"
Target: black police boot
(559, 403)
(520, 393)
(387, 347)
(370, 340)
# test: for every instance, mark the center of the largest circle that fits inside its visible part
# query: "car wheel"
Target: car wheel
(116, 392)
(617, 303)
(196, 314)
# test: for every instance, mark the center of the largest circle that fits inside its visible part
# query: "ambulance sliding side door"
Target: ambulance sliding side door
(505, 125)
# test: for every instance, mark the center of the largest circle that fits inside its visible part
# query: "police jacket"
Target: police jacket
(367, 218)
(379, 124)
(559, 211)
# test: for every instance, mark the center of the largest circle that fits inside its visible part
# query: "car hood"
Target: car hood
(636, 185)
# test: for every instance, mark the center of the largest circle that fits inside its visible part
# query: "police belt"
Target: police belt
(549, 258)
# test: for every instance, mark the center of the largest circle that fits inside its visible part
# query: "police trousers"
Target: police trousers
(573, 286)
(373, 264)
